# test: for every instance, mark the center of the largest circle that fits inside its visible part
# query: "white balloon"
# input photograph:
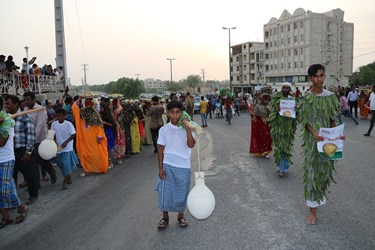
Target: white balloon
(48, 148)
(201, 201)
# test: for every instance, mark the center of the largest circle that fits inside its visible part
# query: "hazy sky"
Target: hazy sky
(119, 38)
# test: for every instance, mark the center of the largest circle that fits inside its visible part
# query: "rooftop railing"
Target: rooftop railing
(18, 84)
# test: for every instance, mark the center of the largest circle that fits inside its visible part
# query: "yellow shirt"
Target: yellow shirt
(203, 107)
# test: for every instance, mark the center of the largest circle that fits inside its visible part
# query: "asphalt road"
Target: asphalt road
(255, 209)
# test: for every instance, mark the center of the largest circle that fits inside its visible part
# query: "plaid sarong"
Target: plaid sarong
(67, 162)
(174, 190)
(8, 192)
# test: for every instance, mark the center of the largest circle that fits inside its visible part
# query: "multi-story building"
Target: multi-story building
(151, 83)
(247, 65)
(294, 42)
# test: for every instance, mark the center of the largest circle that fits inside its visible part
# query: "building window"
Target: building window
(244, 57)
(244, 67)
(301, 51)
(295, 25)
(301, 24)
(301, 37)
(238, 78)
(275, 67)
(238, 68)
(295, 65)
(295, 39)
(288, 40)
(288, 27)
(295, 52)
(288, 52)
(288, 65)
(244, 46)
(245, 78)
(270, 44)
(274, 43)
(282, 65)
(282, 29)
(301, 64)
(282, 53)
(270, 55)
(282, 41)
(271, 67)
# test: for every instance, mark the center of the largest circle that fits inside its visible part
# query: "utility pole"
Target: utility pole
(230, 82)
(84, 75)
(203, 74)
(170, 60)
(137, 75)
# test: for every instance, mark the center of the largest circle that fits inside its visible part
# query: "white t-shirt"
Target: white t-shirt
(63, 132)
(176, 151)
(7, 152)
(372, 101)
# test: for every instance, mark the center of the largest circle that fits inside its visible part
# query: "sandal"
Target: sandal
(163, 223)
(5, 222)
(21, 216)
(83, 174)
(183, 222)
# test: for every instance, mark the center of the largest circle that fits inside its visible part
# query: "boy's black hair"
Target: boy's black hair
(30, 94)
(155, 98)
(60, 111)
(202, 98)
(75, 98)
(314, 68)
(174, 104)
(68, 100)
(13, 98)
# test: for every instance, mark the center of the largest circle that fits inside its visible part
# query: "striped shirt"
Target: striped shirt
(24, 133)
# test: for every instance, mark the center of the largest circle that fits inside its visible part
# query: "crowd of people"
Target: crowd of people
(94, 134)
(26, 76)
(319, 108)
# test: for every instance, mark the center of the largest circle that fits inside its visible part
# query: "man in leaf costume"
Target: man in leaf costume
(282, 131)
(318, 109)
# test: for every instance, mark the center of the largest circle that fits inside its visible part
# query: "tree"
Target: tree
(365, 75)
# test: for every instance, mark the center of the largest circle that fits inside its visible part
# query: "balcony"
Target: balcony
(18, 84)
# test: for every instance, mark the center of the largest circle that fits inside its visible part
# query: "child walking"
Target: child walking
(174, 152)
(66, 157)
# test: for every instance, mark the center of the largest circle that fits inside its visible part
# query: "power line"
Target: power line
(80, 32)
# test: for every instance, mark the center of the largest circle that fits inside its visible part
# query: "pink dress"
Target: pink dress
(120, 137)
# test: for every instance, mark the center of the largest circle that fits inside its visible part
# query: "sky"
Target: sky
(130, 38)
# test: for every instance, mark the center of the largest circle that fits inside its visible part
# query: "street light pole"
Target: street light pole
(230, 81)
(170, 61)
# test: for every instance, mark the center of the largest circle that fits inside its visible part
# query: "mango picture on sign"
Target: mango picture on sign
(287, 114)
(329, 149)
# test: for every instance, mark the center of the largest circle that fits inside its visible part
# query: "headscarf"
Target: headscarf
(91, 116)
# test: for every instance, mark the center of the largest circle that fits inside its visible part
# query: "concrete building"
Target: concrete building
(151, 83)
(294, 42)
(247, 66)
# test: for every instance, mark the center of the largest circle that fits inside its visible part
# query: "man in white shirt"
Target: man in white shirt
(353, 100)
(371, 103)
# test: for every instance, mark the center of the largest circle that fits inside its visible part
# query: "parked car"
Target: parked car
(197, 100)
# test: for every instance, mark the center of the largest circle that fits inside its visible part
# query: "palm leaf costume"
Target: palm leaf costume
(318, 112)
(282, 131)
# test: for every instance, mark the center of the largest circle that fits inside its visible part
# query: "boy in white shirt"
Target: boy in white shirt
(174, 152)
(371, 103)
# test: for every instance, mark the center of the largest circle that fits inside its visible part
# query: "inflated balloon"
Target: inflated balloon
(201, 201)
(48, 148)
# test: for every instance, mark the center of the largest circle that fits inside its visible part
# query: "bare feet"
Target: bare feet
(311, 220)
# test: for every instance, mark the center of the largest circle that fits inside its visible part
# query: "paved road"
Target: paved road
(255, 209)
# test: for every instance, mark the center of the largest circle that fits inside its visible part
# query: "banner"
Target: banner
(332, 147)
(287, 108)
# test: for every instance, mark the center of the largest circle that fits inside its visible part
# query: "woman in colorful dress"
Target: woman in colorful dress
(141, 123)
(364, 111)
(125, 120)
(261, 141)
(109, 130)
(120, 137)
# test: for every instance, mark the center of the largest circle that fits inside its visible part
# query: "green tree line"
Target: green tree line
(364, 75)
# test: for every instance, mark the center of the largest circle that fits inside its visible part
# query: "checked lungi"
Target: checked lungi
(67, 162)
(174, 189)
(8, 193)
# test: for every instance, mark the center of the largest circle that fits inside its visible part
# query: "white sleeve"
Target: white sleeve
(161, 138)
(71, 128)
(53, 126)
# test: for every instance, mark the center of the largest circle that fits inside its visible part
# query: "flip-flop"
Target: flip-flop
(183, 223)
(21, 216)
(163, 223)
(5, 222)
